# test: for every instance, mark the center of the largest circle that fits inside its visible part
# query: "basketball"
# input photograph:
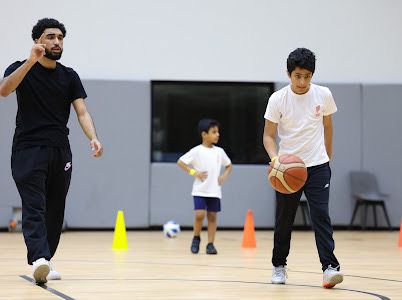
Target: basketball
(288, 174)
(171, 229)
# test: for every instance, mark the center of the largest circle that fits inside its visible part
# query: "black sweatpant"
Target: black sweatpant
(42, 175)
(316, 190)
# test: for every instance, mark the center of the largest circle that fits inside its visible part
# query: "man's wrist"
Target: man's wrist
(30, 62)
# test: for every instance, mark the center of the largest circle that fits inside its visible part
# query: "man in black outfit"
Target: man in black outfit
(41, 159)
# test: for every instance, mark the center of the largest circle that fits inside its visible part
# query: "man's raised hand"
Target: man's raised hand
(37, 51)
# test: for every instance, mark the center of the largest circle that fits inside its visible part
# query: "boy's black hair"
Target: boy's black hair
(302, 58)
(45, 23)
(205, 124)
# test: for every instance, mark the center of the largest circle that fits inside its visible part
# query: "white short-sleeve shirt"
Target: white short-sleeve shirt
(210, 160)
(300, 122)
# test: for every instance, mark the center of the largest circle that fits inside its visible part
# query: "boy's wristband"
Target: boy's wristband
(191, 172)
(274, 158)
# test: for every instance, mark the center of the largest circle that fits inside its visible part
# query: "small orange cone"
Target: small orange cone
(249, 240)
(400, 236)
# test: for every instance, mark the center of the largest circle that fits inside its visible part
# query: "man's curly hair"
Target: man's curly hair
(302, 58)
(45, 23)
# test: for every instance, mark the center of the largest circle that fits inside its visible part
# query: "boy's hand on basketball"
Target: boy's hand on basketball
(201, 175)
(96, 147)
(272, 162)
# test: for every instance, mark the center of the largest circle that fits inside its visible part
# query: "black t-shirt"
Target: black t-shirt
(44, 99)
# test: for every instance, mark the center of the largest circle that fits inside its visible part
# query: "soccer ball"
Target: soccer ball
(171, 229)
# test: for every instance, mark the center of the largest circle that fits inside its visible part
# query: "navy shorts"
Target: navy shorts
(207, 203)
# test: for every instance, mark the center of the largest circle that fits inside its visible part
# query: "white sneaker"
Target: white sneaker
(53, 274)
(40, 270)
(331, 277)
(279, 275)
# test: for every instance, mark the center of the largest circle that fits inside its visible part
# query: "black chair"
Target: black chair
(365, 191)
(305, 211)
(303, 204)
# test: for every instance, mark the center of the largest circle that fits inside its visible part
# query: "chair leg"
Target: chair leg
(375, 215)
(308, 217)
(365, 217)
(354, 214)
(386, 215)
(303, 210)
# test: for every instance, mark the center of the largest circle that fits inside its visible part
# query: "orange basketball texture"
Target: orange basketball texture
(288, 174)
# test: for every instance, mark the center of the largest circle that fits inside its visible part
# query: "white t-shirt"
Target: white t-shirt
(300, 122)
(210, 160)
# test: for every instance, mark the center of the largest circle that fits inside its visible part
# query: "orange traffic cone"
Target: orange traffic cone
(249, 240)
(400, 236)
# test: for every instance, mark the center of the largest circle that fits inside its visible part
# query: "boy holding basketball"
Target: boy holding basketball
(204, 163)
(301, 115)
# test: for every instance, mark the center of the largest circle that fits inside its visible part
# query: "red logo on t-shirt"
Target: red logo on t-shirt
(317, 110)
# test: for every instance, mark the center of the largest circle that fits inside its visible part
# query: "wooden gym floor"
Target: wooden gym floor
(155, 267)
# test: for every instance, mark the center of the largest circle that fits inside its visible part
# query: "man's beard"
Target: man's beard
(53, 56)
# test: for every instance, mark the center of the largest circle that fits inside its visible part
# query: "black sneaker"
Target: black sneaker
(211, 249)
(195, 244)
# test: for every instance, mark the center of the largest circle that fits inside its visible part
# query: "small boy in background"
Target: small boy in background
(205, 162)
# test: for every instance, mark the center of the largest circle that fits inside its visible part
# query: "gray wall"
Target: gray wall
(347, 149)
(99, 187)
(366, 136)
(8, 192)
(120, 179)
(382, 143)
